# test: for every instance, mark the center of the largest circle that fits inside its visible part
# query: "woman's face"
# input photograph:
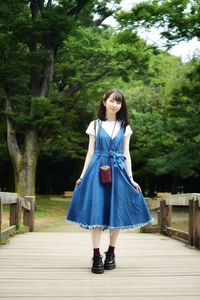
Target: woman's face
(112, 105)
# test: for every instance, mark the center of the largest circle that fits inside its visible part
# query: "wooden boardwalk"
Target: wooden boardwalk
(56, 265)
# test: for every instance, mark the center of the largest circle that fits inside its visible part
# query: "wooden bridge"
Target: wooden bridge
(39, 265)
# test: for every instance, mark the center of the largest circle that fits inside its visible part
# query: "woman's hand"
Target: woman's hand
(78, 182)
(136, 185)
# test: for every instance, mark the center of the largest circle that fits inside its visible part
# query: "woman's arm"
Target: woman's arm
(127, 155)
(88, 157)
(128, 161)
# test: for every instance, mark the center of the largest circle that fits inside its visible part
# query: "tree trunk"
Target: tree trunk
(24, 157)
(174, 184)
(25, 166)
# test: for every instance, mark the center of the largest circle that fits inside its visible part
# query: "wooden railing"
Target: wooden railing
(164, 206)
(18, 205)
(68, 194)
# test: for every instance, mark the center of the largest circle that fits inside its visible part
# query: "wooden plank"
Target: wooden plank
(191, 222)
(57, 266)
(68, 194)
(172, 232)
(32, 213)
(1, 217)
(8, 231)
(25, 203)
(176, 199)
(8, 198)
(28, 218)
(169, 215)
(15, 213)
(116, 297)
(162, 216)
(72, 273)
(197, 223)
(181, 199)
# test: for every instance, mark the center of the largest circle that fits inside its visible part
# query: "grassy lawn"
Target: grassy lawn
(50, 212)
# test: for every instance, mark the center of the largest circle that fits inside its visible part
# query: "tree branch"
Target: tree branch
(49, 3)
(78, 8)
(36, 6)
(102, 18)
(48, 74)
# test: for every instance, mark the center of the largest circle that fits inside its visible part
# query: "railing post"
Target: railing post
(191, 223)
(32, 215)
(169, 215)
(29, 214)
(162, 216)
(197, 224)
(158, 216)
(165, 216)
(1, 215)
(15, 213)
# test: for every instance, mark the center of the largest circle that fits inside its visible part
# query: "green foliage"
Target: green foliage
(90, 61)
(166, 139)
(4, 241)
(85, 60)
(177, 20)
(21, 229)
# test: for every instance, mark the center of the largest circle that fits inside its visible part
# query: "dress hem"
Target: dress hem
(110, 227)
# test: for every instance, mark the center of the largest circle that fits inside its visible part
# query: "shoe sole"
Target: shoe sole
(96, 271)
(110, 267)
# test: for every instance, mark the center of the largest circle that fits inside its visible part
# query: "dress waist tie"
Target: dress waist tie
(118, 158)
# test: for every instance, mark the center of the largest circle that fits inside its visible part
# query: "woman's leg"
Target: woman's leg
(96, 237)
(109, 263)
(97, 266)
(113, 237)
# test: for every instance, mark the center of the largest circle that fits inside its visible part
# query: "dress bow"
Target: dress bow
(118, 159)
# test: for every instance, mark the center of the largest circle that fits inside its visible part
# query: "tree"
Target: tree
(32, 32)
(176, 151)
(52, 54)
(154, 138)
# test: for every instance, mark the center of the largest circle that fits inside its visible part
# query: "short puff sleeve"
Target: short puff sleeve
(128, 130)
(90, 129)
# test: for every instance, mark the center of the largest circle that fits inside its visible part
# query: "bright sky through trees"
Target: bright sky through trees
(185, 49)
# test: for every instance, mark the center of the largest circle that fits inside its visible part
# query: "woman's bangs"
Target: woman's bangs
(117, 96)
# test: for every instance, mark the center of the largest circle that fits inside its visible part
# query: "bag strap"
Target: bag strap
(95, 126)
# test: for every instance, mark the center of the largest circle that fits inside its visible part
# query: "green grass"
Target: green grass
(50, 206)
(50, 212)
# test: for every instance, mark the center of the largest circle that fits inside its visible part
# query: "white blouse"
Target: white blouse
(108, 127)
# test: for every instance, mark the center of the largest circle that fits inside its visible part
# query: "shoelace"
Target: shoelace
(109, 254)
(97, 258)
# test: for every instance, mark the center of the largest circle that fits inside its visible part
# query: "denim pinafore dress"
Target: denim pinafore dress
(115, 206)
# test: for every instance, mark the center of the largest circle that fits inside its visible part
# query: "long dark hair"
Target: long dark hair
(122, 114)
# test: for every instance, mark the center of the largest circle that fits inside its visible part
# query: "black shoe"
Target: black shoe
(97, 266)
(109, 263)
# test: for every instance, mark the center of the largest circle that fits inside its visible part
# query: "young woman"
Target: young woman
(116, 205)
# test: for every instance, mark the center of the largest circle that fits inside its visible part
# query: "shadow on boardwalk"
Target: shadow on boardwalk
(56, 265)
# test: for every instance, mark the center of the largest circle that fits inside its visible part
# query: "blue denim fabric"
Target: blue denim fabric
(119, 205)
